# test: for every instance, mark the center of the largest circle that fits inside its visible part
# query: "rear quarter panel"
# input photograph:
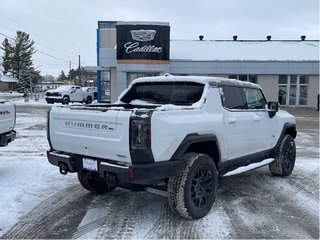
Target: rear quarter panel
(170, 127)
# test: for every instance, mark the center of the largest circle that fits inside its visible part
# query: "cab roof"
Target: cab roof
(215, 81)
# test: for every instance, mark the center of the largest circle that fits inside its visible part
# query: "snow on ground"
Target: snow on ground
(27, 179)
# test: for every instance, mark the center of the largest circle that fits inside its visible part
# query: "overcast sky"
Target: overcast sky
(65, 29)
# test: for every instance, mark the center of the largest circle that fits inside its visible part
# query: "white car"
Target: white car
(176, 133)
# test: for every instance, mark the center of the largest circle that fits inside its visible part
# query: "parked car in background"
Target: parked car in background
(90, 93)
(71, 93)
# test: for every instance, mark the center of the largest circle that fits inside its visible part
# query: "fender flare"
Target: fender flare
(195, 138)
(292, 132)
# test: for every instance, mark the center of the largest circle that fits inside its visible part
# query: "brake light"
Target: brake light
(140, 134)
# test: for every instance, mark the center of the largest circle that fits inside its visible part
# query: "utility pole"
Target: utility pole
(80, 80)
(30, 82)
(69, 72)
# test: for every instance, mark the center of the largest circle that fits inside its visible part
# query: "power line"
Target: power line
(61, 49)
(6, 36)
(45, 46)
(42, 52)
(47, 54)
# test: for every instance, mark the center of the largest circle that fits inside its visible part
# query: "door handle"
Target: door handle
(232, 120)
(256, 118)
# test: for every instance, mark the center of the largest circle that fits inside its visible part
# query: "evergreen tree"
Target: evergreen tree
(22, 55)
(62, 76)
(7, 57)
(24, 79)
(75, 73)
(17, 60)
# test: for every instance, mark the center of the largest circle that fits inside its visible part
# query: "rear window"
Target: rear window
(178, 93)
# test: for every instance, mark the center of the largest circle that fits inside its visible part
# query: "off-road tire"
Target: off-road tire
(192, 191)
(93, 184)
(284, 161)
(65, 100)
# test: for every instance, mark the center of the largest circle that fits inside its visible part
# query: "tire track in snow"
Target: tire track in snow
(56, 217)
(122, 211)
(122, 216)
(171, 226)
(278, 216)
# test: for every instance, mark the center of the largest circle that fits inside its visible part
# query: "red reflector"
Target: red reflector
(149, 134)
(130, 172)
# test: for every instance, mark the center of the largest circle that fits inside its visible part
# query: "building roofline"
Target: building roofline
(248, 40)
(142, 23)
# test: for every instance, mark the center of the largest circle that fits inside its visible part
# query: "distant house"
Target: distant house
(45, 86)
(8, 83)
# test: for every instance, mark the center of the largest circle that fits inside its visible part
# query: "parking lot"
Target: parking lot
(41, 203)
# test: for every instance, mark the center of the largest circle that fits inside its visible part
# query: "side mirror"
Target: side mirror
(273, 108)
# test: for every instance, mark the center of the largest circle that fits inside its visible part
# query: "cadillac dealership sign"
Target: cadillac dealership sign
(141, 41)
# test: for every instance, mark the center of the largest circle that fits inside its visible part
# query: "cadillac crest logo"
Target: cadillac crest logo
(142, 41)
(143, 35)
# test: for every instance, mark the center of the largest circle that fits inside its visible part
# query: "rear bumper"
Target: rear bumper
(7, 138)
(141, 174)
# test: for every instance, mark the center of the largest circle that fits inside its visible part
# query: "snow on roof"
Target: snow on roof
(198, 79)
(8, 79)
(215, 50)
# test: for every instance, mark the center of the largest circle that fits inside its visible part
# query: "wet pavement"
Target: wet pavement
(251, 205)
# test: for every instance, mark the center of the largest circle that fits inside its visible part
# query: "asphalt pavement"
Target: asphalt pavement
(252, 205)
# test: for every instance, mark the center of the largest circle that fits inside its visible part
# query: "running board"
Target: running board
(156, 191)
(249, 167)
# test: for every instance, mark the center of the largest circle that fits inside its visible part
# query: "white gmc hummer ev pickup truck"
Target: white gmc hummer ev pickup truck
(178, 133)
(7, 122)
(71, 93)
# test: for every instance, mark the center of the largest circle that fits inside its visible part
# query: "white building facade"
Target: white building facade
(287, 70)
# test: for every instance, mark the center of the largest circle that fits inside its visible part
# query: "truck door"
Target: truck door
(238, 122)
(76, 94)
(264, 127)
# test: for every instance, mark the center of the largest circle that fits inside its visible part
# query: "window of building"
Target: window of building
(303, 90)
(293, 89)
(131, 76)
(245, 78)
(105, 77)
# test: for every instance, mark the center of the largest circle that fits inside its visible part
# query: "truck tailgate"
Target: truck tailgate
(100, 133)
(7, 116)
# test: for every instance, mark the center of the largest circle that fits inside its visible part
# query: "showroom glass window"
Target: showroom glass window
(105, 77)
(293, 90)
(133, 75)
(245, 78)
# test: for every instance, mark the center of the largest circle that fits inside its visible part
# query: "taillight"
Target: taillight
(48, 130)
(140, 134)
(15, 115)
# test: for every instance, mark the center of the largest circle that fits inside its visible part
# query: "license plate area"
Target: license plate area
(90, 164)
